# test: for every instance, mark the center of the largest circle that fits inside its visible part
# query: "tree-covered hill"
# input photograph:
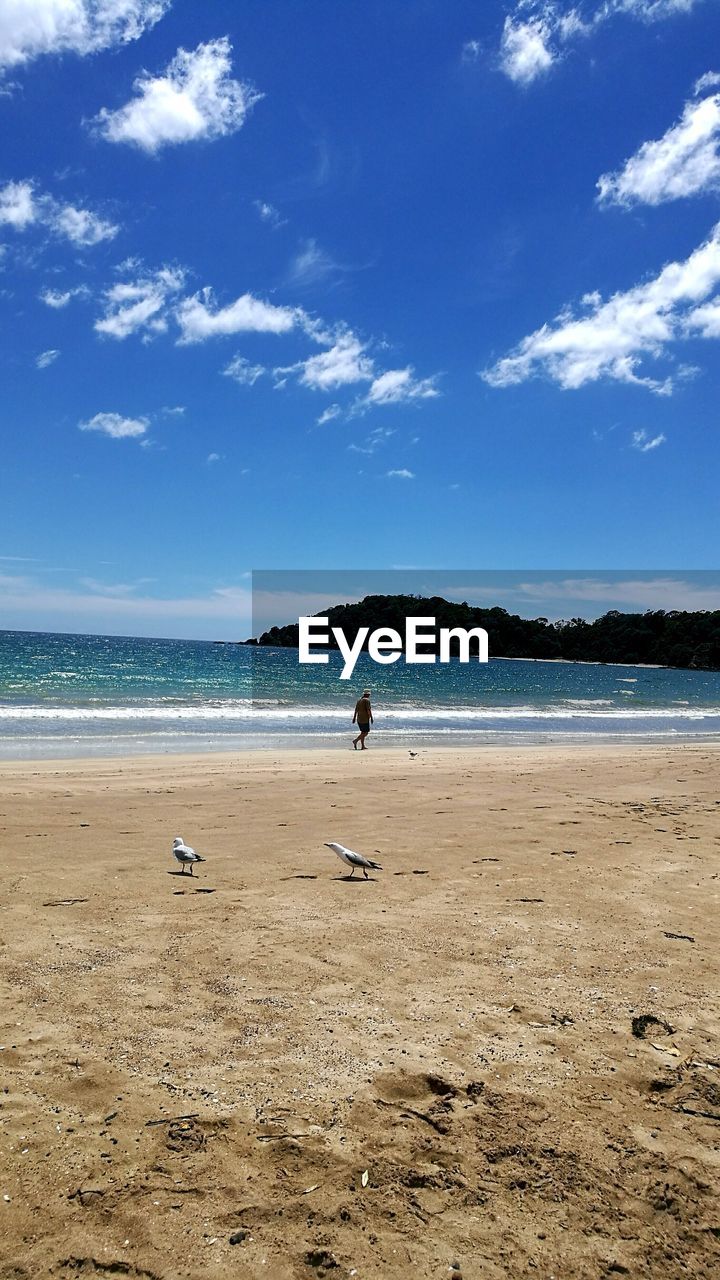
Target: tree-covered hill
(674, 639)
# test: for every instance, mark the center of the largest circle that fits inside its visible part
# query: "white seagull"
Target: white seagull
(353, 859)
(185, 855)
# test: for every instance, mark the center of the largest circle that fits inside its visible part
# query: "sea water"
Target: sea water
(65, 695)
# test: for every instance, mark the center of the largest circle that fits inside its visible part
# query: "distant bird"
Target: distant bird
(353, 859)
(412, 754)
(185, 855)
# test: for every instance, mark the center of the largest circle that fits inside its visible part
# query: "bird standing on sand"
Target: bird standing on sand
(185, 855)
(353, 859)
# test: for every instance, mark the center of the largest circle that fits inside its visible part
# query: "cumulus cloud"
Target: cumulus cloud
(79, 226)
(345, 362)
(194, 99)
(611, 338)
(22, 207)
(46, 358)
(147, 303)
(59, 298)
(684, 162)
(17, 205)
(642, 441)
(705, 321)
(525, 49)
(29, 28)
(535, 35)
(401, 473)
(243, 371)
(116, 426)
(200, 319)
(707, 81)
(397, 386)
(140, 304)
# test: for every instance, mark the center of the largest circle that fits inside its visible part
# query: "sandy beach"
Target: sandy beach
(498, 1057)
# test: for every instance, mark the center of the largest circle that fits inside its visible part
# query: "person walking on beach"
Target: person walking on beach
(364, 718)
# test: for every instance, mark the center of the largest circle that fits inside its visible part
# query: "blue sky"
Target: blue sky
(337, 285)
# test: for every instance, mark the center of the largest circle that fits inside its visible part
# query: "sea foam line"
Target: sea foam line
(598, 709)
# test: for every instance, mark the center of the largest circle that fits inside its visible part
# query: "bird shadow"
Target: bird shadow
(180, 893)
(356, 879)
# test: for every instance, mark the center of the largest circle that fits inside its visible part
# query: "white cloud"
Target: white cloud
(344, 363)
(268, 213)
(29, 28)
(684, 162)
(58, 298)
(148, 302)
(401, 473)
(397, 386)
(613, 337)
(46, 358)
(708, 81)
(642, 441)
(535, 34)
(115, 426)
(117, 590)
(17, 205)
(79, 226)
(649, 10)
(140, 304)
(243, 371)
(705, 321)
(213, 457)
(328, 415)
(20, 207)
(525, 50)
(195, 98)
(471, 50)
(30, 603)
(376, 438)
(312, 264)
(199, 320)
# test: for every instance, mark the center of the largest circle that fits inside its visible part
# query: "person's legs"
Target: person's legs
(363, 736)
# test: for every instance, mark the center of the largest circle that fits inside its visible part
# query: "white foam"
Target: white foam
(242, 710)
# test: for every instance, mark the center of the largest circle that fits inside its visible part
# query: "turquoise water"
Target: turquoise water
(65, 695)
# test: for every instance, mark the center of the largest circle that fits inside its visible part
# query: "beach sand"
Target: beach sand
(268, 1070)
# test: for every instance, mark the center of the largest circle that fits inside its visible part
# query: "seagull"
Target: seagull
(412, 754)
(353, 859)
(185, 855)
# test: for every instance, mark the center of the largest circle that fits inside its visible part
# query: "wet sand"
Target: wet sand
(498, 1057)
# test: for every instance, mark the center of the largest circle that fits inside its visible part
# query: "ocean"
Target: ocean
(73, 695)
